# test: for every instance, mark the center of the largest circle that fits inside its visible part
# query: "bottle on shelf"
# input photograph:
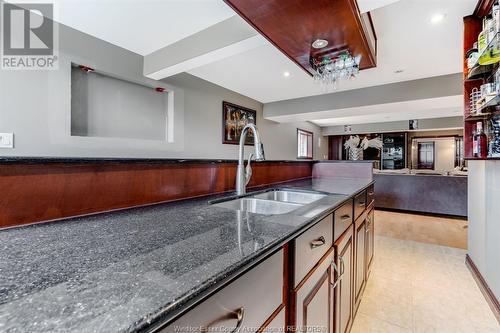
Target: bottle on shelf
(479, 142)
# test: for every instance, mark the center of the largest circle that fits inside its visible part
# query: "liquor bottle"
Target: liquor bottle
(479, 143)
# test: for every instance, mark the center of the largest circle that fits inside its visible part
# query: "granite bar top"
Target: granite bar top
(83, 160)
(130, 270)
(417, 173)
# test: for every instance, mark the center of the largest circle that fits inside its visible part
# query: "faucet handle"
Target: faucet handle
(248, 170)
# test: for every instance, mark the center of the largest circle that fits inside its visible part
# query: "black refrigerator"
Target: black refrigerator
(394, 151)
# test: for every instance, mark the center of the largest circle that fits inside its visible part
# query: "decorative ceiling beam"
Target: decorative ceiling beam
(220, 41)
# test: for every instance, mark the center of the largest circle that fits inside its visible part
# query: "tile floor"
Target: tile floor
(420, 287)
(421, 228)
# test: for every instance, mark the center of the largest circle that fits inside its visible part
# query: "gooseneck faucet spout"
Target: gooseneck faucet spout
(243, 175)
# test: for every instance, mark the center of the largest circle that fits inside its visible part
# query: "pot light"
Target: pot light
(286, 74)
(319, 43)
(437, 18)
(399, 71)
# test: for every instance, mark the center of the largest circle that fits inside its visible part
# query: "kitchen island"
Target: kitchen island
(140, 269)
(423, 193)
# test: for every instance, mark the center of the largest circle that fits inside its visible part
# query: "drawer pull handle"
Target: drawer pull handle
(236, 314)
(339, 273)
(240, 313)
(342, 266)
(345, 217)
(370, 193)
(318, 242)
(361, 204)
(336, 282)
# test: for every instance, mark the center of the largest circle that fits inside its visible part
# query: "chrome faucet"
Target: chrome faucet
(243, 174)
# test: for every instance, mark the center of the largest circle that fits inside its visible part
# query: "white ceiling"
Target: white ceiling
(448, 106)
(368, 5)
(406, 40)
(141, 26)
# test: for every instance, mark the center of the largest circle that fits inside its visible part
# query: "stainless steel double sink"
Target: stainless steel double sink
(273, 202)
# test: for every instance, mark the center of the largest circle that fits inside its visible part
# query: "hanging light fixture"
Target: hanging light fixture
(329, 70)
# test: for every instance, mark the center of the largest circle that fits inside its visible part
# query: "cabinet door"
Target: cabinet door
(370, 241)
(359, 204)
(359, 259)
(344, 257)
(313, 299)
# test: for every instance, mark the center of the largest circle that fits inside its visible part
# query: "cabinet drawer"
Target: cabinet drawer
(277, 324)
(245, 303)
(311, 246)
(359, 204)
(370, 195)
(343, 219)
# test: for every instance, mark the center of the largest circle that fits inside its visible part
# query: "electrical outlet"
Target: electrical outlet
(6, 140)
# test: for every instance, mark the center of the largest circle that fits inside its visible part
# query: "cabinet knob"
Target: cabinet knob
(318, 242)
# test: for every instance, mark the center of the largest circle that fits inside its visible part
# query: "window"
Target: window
(304, 144)
(426, 155)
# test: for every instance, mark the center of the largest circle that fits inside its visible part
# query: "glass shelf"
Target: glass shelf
(482, 71)
(485, 109)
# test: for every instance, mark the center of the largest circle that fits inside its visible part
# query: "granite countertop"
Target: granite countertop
(117, 160)
(420, 173)
(124, 271)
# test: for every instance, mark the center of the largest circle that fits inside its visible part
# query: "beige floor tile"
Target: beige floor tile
(368, 324)
(392, 307)
(424, 229)
(419, 286)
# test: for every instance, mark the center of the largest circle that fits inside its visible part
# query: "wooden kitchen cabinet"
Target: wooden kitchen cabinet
(245, 304)
(311, 246)
(360, 241)
(369, 240)
(359, 204)
(343, 285)
(312, 300)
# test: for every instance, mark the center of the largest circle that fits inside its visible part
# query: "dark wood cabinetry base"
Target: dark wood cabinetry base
(345, 267)
(49, 191)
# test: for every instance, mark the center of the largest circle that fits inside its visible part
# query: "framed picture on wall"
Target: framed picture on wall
(413, 125)
(234, 119)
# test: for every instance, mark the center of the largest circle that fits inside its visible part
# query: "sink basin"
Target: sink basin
(259, 206)
(296, 197)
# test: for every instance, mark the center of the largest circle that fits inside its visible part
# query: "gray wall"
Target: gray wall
(36, 107)
(446, 85)
(484, 216)
(397, 126)
(203, 121)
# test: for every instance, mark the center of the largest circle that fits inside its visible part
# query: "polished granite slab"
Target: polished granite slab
(125, 270)
(123, 160)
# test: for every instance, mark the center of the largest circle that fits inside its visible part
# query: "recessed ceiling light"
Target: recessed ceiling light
(286, 74)
(437, 18)
(399, 71)
(319, 43)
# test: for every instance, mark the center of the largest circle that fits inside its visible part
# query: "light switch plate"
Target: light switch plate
(6, 140)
